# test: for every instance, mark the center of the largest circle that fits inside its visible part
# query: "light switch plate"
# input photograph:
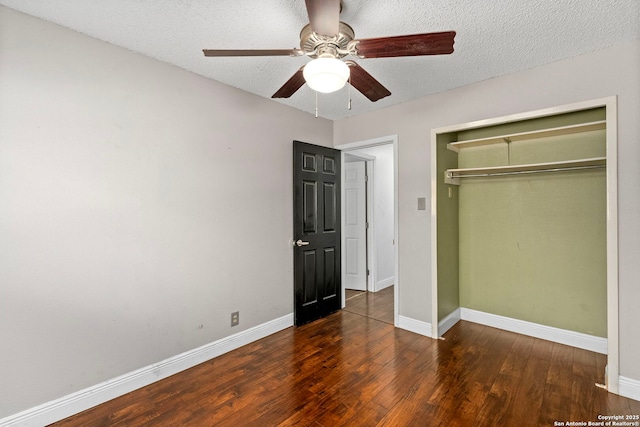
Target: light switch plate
(422, 203)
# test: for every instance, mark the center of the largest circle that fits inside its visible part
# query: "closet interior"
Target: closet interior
(522, 221)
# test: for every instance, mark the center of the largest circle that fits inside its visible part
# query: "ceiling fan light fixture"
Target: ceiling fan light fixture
(326, 74)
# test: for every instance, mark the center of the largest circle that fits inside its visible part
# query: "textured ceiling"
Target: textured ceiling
(494, 38)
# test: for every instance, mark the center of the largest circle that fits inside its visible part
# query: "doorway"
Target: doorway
(370, 284)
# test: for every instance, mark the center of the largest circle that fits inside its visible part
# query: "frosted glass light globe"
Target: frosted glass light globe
(326, 75)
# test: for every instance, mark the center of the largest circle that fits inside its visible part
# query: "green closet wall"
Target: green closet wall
(530, 247)
(447, 243)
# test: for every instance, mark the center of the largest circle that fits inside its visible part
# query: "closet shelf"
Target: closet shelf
(523, 136)
(452, 176)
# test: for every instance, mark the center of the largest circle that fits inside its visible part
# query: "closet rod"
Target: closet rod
(481, 175)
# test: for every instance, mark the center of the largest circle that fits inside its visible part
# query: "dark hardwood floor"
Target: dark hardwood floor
(376, 305)
(351, 370)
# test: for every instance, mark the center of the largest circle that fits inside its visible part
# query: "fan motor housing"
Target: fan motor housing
(314, 45)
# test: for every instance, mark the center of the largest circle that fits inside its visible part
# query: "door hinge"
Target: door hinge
(368, 273)
(366, 225)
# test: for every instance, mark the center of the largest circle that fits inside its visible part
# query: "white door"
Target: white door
(355, 230)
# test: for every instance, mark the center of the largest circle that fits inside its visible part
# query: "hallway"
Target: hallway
(375, 305)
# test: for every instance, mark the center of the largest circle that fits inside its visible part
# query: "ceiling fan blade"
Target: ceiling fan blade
(324, 16)
(410, 45)
(365, 83)
(291, 86)
(255, 52)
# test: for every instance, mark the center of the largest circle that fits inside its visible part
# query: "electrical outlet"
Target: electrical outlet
(235, 318)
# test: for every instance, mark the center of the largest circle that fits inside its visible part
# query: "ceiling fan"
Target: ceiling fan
(327, 40)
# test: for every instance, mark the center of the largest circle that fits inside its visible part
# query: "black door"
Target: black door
(316, 231)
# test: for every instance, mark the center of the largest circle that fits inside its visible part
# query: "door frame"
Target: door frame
(610, 103)
(385, 140)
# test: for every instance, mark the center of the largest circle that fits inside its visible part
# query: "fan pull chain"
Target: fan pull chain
(316, 104)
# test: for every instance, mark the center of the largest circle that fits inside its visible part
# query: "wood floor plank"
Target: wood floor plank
(408, 375)
(584, 394)
(376, 305)
(530, 392)
(351, 370)
(369, 415)
(557, 394)
(489, 350)
(499, 405)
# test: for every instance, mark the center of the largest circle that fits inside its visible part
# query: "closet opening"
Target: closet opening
(524, 226)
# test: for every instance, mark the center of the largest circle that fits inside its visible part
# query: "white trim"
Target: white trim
(561, 336)
(360, 156)
(385, 283)
(434, 232)
(613, 355)
(544, 112)
(629, 388)
(415, 326)
(396, 236)
(383, 140)
(79, 401)
(343, 250)
(372, 253)
(610, 103)
(445, 324)
(391, 139)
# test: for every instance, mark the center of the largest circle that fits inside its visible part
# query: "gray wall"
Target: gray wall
(133, 197)
(383, 211)
(612, 71)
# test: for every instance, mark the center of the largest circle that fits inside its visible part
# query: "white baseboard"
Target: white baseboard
(562, 336)
(71, 404)
(629, 387)
(445, 324)
(382, 284)
(413, 325)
